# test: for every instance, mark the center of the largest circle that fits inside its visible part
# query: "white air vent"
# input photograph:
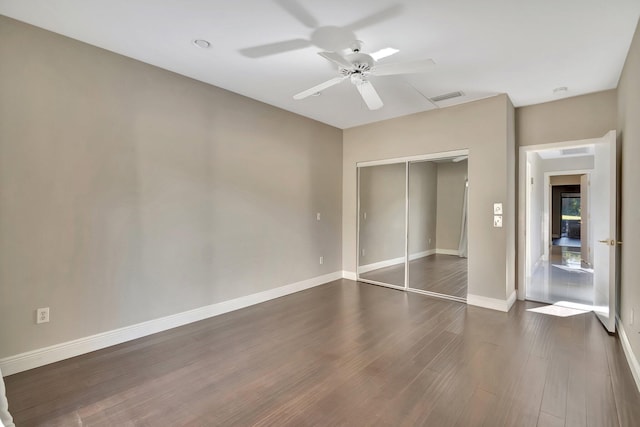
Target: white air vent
(446, 96)
(574, 151)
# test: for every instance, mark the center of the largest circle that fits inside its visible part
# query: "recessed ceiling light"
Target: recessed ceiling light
(202, 43)
(560, 90)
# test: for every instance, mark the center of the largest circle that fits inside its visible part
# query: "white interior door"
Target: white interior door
(603, 216)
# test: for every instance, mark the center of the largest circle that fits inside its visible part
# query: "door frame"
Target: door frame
(548, 203)
(523, 203)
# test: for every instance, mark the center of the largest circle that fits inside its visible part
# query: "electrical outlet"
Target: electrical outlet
(321, 260)
(318, 216)
(429, 241)
(363, 253)
(42, 315)
(364, 216)
(497, 221)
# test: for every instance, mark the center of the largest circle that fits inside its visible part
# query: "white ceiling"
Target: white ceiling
(481, 47)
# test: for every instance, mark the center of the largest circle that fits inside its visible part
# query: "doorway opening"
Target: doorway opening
(568, 214)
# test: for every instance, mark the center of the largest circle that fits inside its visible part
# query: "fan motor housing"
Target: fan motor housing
(361, 61)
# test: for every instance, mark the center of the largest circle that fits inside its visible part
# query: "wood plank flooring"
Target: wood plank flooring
(347, 354)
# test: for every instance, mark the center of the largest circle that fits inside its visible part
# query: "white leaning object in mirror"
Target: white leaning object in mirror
(5, 418)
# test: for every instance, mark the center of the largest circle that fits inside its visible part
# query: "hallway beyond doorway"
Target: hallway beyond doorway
(562, 279)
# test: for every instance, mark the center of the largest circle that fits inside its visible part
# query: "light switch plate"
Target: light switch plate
(497, 208)
(497, 220)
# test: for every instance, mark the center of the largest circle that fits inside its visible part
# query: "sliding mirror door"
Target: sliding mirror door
(382, 224)
(437, 231)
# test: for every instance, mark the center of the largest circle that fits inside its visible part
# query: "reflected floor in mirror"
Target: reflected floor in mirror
(443, 274)
(392, 275)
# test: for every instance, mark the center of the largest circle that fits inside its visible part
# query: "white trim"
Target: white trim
(492, 303)
(406, 225)
(634, 365)
(349, 275)
(422, 254)
(380, 264)
(432, 156)
(511, 300)
(438, 295)
(448, 252)
(44, 356)
(400, 260)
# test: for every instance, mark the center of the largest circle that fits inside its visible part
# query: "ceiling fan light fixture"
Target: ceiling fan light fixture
(383, 53)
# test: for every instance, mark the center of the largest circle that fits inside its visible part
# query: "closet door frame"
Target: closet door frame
(406, 160)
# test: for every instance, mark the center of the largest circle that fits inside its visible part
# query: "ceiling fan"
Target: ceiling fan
(357, 67)
(326, 37)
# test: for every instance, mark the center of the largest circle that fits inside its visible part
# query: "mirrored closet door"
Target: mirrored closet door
(382, 224)
(437, 229)
(412, 224)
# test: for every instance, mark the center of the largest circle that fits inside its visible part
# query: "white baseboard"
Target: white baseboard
(422, 254)
(632, 359)
(394, 261)
(349, 275)
(492, 303)
(448, 252)
(44, 356)
(381, 264)
(511, 300)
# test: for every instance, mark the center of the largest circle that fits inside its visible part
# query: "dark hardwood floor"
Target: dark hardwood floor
(345, 354)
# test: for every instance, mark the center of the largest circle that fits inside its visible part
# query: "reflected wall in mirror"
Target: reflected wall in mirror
(382, 228)
(437, 229)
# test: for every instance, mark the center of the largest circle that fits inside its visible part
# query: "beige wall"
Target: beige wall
(129, 193)
(565, 180)
(580, 117)
(451, 184)
(629, 134)
(480, 127)
(382, 213)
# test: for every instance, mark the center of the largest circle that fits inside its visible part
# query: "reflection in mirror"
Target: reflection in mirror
(437, 227)
(382, 216)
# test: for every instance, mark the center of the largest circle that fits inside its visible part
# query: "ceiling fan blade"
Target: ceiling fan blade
(411, 67)
(369, 95)
(318, 88)
(274, 48)
(377, 17)
(298, 11)
(336, 58)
